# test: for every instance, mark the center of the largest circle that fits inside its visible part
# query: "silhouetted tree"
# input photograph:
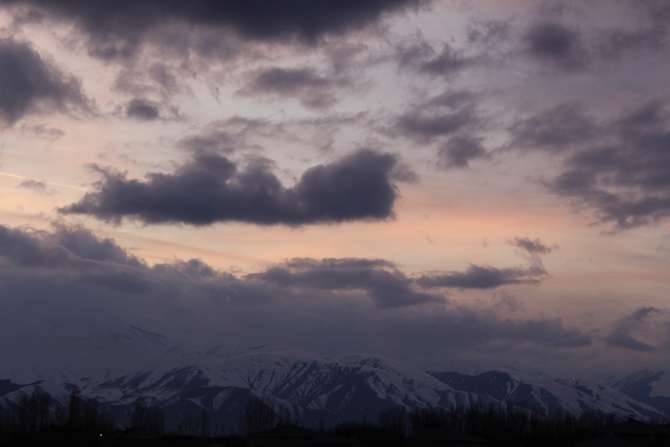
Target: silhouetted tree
(204, 424)
(74, 410)
(258, 416)
(395, 421)
(148, 419)
(32, 411)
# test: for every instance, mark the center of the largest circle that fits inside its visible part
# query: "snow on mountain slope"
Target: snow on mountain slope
(305, 387)
(548, 395)
(650, 387)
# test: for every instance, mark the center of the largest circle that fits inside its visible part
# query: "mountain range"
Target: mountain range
(219, 385)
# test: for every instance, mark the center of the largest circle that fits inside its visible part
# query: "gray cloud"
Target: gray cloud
(418, 55)
(31, 84)
(438, 117)
(34, 185)
(42, 131)
(624, 178)
(313, 90)
(532, 246)
(575, 44)
(64, 247)
(230, 135)
(68, 285)
(446, 62)
(557, 44)
(482, 277)
(142, 109)
(460, 150)
(646, 329)
(386, 285)
(651, 34)
(210, 188)
(488, 277)
(157, 77)
(557, 129)
(618, 167)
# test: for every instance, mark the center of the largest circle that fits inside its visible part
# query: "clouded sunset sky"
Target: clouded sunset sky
(473, 184)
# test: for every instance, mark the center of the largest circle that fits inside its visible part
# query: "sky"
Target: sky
(454, 184)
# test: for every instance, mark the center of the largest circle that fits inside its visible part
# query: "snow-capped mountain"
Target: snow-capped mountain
(548, 395)
(650, 387)
(221, 384)
(308, 389)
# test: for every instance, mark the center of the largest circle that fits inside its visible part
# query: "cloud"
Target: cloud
(481, 277)
(646, 329)
(624, 179)
(386, 285)
(575, 45)
(31, 84)
(488, 32)
(312, 89)
(460, 150)
(142, 109)
(532, 246)
(34, 185)
(116, 30)
(418, 55)
(651, 34)
(66, 285)
(557, 129)
(64, 247)
(211, 188)
(488, 277)
(438, 117)
(618, 167)
(233, 134)
(154, 77)
(557, 44)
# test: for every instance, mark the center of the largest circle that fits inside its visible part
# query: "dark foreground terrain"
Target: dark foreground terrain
(472, 427)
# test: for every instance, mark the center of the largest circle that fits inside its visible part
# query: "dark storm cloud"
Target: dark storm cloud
(557, 44)
(116, 29)
(646, 329)
(211, 188)
(488, 277)
(387, 286)
(67, 282)
(31, 84)
(142, 109)
(460, 150)
(312, 89)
